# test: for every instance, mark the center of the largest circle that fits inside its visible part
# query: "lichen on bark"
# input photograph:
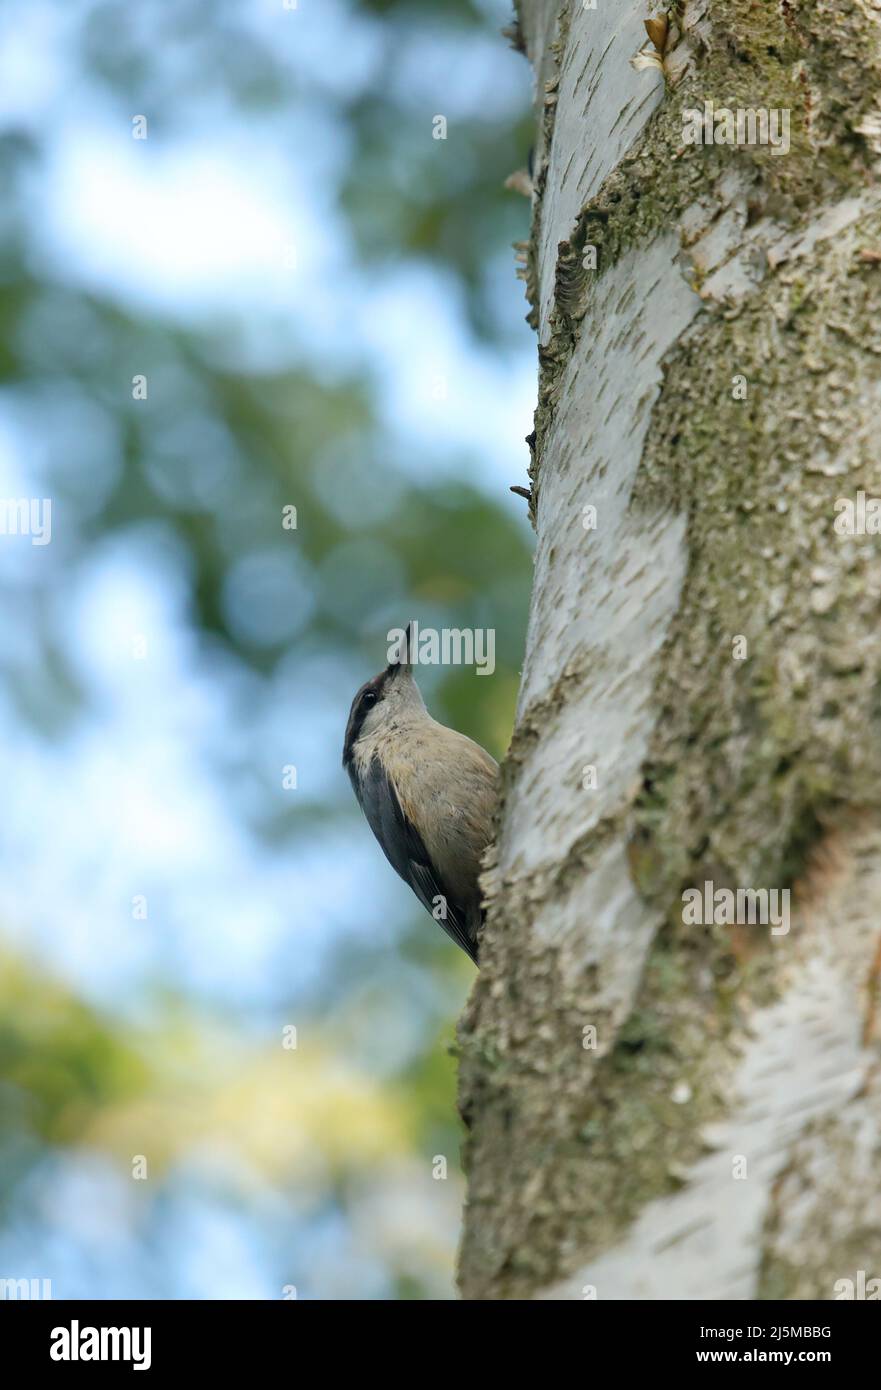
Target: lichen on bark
(820, 1231)
(754, 754)
(751, 760)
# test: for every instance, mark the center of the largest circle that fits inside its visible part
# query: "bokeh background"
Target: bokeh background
(322, 299)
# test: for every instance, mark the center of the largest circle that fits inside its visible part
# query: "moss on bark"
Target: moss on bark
(749, 756)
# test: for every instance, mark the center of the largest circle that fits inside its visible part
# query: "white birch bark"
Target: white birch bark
(720, 1135)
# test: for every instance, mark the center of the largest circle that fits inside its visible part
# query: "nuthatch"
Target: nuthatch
(428, 793)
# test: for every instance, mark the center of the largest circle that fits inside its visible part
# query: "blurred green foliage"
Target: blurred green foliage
(222, 448)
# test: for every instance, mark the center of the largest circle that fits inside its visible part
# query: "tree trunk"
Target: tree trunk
(658, 1108)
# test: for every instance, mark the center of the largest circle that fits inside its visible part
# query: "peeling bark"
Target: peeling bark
(719, 1135)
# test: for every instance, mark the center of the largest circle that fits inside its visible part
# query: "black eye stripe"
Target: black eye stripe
(362, 703)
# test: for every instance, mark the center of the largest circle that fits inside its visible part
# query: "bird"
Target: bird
(428, 793)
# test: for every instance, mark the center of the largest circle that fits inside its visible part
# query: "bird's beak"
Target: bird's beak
(404, 664)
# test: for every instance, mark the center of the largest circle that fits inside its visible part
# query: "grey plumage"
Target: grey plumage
(428, 794)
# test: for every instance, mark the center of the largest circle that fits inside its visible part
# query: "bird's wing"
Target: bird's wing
(404, 849)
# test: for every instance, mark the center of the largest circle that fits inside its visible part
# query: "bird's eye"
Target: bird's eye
(368, 699)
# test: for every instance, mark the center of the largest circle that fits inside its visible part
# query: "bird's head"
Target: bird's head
(388, 698)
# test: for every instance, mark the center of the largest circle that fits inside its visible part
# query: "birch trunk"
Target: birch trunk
(659, 1109)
